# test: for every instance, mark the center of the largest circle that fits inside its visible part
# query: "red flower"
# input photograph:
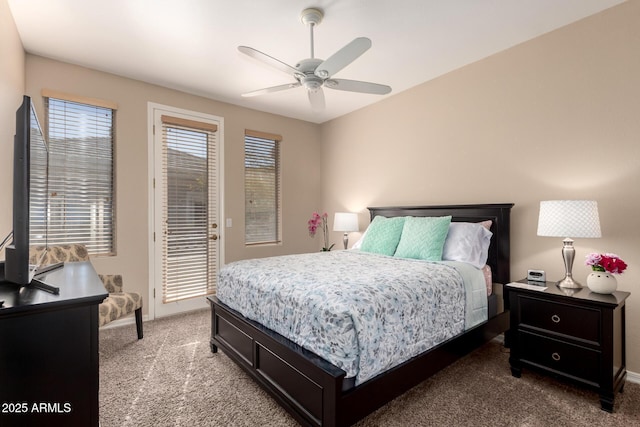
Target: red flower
(613, 265)
(606, 262)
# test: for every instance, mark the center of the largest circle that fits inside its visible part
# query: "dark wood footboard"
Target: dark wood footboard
(310, 388)
(307, 386)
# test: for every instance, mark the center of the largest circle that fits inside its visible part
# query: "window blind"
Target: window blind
(189, 209)
(38, 186)
(262, 188)
(81, 175)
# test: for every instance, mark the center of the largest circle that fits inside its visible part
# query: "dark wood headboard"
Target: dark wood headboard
(499, 213)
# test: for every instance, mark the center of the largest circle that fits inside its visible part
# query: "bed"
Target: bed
(323, 391)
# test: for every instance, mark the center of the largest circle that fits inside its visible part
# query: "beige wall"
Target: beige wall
(11, 89)
(300, 159)
(557, 117)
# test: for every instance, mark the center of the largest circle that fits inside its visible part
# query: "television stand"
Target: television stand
(35, 283)
(62, 330)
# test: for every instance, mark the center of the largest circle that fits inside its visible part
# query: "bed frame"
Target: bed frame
(314, 391)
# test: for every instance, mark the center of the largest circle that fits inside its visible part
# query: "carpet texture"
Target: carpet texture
(170, 378)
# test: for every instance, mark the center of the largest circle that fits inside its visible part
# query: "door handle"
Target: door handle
(214, 237)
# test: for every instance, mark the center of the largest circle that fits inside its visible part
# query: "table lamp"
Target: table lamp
(569, 218)
(345, 222)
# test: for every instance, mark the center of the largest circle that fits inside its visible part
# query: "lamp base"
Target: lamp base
(568, 282)
(568, 253)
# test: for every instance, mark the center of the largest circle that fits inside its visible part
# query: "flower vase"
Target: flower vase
(602, 282)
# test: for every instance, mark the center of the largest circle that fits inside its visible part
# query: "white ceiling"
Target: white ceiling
(191, 45)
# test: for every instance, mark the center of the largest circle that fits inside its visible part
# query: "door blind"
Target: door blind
(190, 222)
(81, 179)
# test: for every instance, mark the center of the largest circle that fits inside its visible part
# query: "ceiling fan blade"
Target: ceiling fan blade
(357, 86)
(269, 60)
(343, 57)
(316, 98)
(271, 89)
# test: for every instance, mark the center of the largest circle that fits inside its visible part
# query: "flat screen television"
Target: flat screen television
(30, 195)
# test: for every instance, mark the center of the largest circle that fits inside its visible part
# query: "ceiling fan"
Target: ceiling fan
(313, 73)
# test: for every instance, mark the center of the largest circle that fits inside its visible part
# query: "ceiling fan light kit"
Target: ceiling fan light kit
(313, 73)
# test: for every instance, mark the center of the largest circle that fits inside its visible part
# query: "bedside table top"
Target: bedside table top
(583, 293)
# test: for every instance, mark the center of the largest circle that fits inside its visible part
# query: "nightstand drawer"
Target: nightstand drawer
(564, 319)
(562, 357)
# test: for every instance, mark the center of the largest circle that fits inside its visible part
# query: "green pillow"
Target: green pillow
(423, 238)
(383, 235)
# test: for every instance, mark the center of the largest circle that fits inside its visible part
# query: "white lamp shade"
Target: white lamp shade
(345, 221)
(569, 218)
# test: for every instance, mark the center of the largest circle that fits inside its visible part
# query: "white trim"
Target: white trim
(499, 338)
(152, 107)
(633, 377)
(151, 203)
(128, 320)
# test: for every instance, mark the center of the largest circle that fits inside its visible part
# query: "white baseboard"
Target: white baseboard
(633, 377)
(129, 320)
(498, 338)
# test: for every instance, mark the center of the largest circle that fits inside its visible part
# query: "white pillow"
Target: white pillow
(358, 243)
(468, 242)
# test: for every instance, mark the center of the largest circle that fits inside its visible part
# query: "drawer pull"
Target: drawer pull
(555, 356)
(555, 318)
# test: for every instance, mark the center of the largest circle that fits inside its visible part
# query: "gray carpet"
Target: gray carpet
(170, 378)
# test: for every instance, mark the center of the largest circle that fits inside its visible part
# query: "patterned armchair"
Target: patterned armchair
(117, 304)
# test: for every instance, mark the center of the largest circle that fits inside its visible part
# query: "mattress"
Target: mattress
(363, 312)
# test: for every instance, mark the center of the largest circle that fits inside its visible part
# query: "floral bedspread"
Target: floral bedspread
(363, 312)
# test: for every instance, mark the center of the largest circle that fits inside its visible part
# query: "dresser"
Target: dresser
(49, 372)
(574, 334)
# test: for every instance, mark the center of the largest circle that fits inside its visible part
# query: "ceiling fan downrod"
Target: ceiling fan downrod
(311, 17)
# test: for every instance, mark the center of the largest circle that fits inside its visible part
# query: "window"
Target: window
(81, 183)
(262, 188)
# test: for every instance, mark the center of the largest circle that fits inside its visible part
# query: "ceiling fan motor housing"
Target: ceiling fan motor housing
(306, 75)
(312, 83)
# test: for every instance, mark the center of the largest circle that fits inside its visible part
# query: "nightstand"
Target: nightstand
(574, 334)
